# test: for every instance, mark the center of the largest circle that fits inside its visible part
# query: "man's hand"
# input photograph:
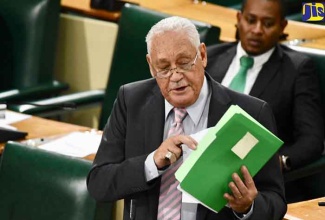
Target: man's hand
(243, 192)
(172, 145)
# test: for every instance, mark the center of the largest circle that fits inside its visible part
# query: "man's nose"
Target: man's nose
(258, 28)
(176, 75)
(174, 70)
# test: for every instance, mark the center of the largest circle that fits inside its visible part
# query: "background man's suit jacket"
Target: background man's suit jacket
(289, 84)
(135, 129)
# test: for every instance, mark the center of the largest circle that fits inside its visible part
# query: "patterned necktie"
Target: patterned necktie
(170, 199)
(239, 81)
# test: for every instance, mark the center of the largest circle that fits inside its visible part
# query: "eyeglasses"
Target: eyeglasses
(179, 69)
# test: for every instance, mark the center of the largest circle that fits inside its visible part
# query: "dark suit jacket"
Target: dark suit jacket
(135, 129)
(289, 84)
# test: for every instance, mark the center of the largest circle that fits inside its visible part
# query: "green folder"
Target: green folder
(237, 139)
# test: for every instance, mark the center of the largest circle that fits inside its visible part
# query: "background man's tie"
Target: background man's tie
(239, 81)
(170, 199)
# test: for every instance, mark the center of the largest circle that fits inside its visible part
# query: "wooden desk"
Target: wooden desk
(39, 127)
(307, 210)
(220, 16)
(313, 35)
(225, 18)
(314, 43)
(83, 7)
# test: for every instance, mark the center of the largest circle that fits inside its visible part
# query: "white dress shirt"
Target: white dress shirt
(252, 73)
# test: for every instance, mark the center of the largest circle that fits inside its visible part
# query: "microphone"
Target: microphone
(10, 135)
(6, 131)
(63, 105)
(7, 134)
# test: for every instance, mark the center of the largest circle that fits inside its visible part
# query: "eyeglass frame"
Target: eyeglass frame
(177, 69)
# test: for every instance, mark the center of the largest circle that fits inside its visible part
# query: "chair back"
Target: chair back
(129, 62)
(36, 184)
(33, 27)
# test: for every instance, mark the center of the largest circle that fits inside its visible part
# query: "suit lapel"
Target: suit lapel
(154, 113)
(154, 120)
(219, 103)
(222, 64)
(268, 71)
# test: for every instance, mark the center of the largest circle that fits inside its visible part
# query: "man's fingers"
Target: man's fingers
(240, 186)
(187, 140)
(162, 157)
(249, 182)
(235, 191)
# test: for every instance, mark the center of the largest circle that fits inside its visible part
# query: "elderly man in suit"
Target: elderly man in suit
(283, 78)
(181, 99)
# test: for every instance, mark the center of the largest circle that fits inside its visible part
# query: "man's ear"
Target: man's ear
(284, 23)
(150, 67)
(239, 17)
(203, 54)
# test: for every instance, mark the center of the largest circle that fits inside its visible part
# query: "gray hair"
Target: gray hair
(176, 24)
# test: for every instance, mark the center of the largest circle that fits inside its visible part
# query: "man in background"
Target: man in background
(278, 75)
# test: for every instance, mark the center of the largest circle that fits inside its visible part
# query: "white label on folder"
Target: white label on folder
(244, 145)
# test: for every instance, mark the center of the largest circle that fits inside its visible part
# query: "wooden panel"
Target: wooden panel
(83, 7)
(307, 210)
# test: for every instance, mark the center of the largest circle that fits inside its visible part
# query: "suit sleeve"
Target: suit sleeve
(308, 130)
(113, 175)
(270, 202)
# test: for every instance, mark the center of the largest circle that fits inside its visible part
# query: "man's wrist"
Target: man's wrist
(244, 215)
(240, 215)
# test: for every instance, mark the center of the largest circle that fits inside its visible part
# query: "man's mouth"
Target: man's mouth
(254, 42)
(178, 89)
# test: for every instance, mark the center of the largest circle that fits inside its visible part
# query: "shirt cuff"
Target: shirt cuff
(245, 216)
(150, 168)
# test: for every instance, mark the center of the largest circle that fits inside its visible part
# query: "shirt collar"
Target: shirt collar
(195, 110)
(258, 60)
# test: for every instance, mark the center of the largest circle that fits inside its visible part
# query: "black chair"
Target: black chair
(128, 65)
(29, 35)
(36, 184)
